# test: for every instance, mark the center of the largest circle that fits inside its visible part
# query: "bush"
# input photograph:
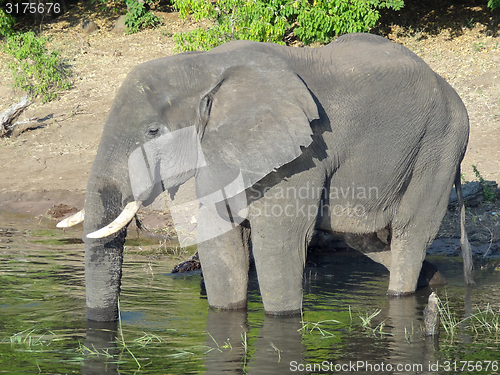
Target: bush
(7, 22)
(493, 4)
(34, 69)
(326, 18)
(232, 19)
(271, 20)
(139, 17)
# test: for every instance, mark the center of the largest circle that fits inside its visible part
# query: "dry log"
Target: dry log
(8, 116)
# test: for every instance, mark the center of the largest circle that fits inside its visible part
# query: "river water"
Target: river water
(348, 323)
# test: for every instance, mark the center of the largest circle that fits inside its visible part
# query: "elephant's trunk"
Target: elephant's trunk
(103, 262)
(103, 256)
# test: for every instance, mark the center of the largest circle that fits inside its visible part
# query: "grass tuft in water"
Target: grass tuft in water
(309, 327)
(449, 320)
(127, 350)
(366, 323)
(277, 351)
(365, 320)
(31, 340)
(482, 321)
(227, 345)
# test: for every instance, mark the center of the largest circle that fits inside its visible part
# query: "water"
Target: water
(167, 328)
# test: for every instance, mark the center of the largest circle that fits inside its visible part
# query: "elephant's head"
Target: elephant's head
(233, 111)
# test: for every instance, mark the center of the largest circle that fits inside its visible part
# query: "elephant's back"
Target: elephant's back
(368, 45)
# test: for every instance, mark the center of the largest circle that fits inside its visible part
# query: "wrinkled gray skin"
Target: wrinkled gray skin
(361, 112)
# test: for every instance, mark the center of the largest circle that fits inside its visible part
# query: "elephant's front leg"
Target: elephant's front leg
(225, 261)
(279, 244)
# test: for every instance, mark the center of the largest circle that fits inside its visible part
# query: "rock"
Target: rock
(88, 27)
(191, 264)
(120, 27)
(431, 316)
(61, 210)
(472, 192)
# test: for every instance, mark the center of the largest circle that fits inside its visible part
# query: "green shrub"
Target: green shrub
(493, 4)
(326, 18)
(138, 17)
(6, 23)
(34, 69)
(488, 187)
(232, 19)
(270, 20)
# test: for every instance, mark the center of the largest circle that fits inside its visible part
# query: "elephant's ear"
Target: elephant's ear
(256, 119)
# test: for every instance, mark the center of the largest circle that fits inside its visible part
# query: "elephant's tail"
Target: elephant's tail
(464, 241)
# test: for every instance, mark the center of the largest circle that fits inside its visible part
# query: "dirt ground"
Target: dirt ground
(50, 163)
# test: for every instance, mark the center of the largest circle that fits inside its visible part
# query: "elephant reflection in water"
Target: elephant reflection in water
(277, 345)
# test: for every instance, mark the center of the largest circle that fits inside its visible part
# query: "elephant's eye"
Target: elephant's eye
(153, 132)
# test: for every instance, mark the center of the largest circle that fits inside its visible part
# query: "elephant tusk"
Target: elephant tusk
(72, 220)
(120, 222)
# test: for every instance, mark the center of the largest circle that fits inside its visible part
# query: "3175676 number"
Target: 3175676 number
(40, 8)
(461, 366)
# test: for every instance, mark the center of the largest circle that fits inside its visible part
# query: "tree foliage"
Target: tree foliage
(273, 20)
(493, 4)
(7, 21)
(138, 17)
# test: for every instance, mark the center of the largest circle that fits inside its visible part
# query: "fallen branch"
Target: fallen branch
(9, 115)
(25, 121)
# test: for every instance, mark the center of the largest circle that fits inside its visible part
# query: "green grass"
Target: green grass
(31, 339)
(483, 321)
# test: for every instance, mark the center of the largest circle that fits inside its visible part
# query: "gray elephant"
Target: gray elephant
(358, 137)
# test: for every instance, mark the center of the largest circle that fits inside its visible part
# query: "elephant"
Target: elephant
(358, 137)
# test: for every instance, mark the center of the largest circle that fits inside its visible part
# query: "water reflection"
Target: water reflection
(42, 289)
(408, 348)
(101, 338)
(240, 342)
(278, 345)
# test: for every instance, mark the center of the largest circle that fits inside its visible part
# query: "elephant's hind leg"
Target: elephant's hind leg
(408, 269)
(379, 251)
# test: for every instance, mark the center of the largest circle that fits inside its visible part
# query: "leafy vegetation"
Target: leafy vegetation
(493, 4)
(6, 23)
(277, 20)
(488, 188)
(139, 17)
(35, 69)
